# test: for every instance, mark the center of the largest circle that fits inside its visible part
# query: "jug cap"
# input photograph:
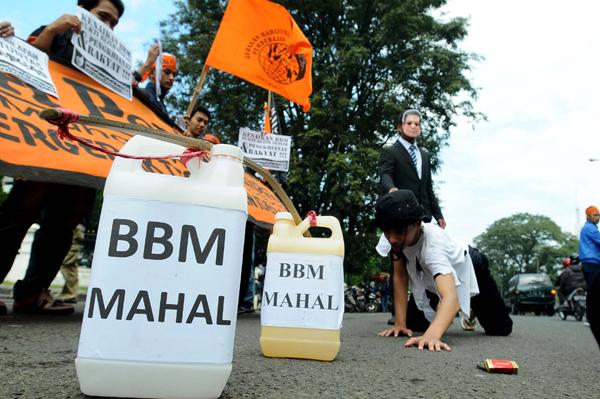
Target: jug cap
(227, 149)
(284, 216)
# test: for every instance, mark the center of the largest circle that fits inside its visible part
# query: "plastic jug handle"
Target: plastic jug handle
(329, 222)
(139, 145)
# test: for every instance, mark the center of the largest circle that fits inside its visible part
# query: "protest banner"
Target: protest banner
(101, 55)
(27, 63)
(271, 151)
(29, 148)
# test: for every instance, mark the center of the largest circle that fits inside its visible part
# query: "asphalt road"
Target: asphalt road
(556, 359)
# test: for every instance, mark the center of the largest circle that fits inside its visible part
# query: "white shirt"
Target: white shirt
(407, 145)
(437, 253)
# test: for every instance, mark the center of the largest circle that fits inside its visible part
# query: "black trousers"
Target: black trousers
(488, 305)
(59, 208)
(593, 307)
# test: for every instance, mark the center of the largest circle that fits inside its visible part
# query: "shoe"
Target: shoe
(466, 323)
(42, 303)
(586, 322)
(3, 309)
(392, 321)
(245, 309)
(70, 300)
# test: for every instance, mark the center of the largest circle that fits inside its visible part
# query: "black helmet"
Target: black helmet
(574, 259)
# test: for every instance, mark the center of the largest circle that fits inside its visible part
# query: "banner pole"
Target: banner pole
(188, 142)
(197, 91)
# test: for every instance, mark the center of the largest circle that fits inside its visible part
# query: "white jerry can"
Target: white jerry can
(160, 315)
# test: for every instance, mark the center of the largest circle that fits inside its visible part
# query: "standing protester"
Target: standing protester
(58, 207)
(444, 276)
(167, 78)
(197, 123)
(589, 247)
(406, 166)
(6, 30)
(384, 290)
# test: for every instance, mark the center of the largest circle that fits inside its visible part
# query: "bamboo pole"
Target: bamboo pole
(197, 91)
(188, 142)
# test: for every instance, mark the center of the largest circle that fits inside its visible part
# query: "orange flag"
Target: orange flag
(260, 42)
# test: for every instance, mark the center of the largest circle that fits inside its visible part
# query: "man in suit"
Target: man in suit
(405, 166)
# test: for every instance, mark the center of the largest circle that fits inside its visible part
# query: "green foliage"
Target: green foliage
(517, 243)
(371, 59)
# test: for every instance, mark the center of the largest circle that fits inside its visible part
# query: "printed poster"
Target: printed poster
(303, 290)
(271, 151)
(27, 63)
(101, 55)
(165, 282)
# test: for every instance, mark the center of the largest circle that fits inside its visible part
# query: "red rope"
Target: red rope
(312, 218)
(70, 116)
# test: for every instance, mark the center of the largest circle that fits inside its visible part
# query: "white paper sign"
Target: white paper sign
(101, 55)
(271, 151)
(165, 283)
(27, 63)
(158, 69)
(303, 291)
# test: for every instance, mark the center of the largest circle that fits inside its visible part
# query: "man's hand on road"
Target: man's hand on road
(433, 343)
(396, 331)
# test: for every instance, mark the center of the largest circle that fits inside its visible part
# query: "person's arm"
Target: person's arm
(6, 29)
(400, 300)
(444, 315)
(433, 201)
(145, 67)
(594, 235)
(386, 170)
(64, 23)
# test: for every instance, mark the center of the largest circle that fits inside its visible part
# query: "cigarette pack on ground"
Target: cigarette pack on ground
(499, 366)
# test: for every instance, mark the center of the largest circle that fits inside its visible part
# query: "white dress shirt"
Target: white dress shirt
(407, 145)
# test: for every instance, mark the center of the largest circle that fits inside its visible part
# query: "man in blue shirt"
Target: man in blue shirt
(589, 245)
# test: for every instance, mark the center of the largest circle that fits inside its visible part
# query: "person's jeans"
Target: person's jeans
(589, 272)
(62, 208)
(384, 302)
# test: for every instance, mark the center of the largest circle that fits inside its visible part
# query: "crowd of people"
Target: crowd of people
(56, 242)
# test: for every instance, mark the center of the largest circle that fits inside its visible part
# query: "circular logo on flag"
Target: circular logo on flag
(280, 65)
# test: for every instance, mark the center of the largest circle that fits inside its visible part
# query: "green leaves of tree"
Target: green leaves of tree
(371, 59)
(514, 245)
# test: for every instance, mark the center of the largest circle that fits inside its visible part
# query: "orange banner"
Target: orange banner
(29, 148)
(260, 42)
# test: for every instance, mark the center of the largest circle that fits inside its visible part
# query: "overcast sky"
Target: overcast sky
(539, 90)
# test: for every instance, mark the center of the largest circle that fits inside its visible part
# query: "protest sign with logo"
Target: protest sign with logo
(260, 42)
(27, 63)
(271, 151)
(101, 55)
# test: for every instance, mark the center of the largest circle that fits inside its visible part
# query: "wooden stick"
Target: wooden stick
(188, 142)
(197, 91)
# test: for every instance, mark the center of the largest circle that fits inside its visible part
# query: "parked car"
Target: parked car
(531, 293)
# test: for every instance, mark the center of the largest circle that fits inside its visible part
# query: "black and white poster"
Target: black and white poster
(271, 151)
(26, 63)
(101, 55)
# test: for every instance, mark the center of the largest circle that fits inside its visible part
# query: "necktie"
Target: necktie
(413, 155)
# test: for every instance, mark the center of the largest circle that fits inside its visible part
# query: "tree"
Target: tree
(371, 59)
(521, 242)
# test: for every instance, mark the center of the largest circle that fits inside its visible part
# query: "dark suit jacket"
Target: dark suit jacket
(398, 170)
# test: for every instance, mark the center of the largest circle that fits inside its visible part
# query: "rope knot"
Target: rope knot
(312, 218)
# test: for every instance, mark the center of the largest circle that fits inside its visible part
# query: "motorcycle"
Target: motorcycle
(575, 305)
(372, 301)
(350, 305)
